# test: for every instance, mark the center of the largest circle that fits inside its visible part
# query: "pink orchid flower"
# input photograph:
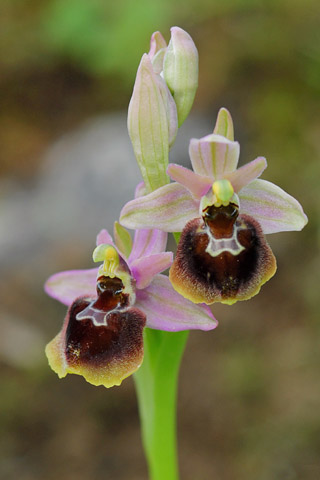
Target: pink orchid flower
(102, 335)
(223, 213)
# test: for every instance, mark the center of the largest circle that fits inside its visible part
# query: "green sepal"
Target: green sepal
(224, 124)
(122, 239)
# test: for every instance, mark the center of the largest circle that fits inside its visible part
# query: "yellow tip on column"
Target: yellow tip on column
(223, 190)
(109, 256)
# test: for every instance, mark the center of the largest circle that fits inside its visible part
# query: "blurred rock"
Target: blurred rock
(21, 344)
(86, 178)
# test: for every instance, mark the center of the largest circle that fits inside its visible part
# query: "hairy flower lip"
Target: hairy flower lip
(103, 354)
(235, 272)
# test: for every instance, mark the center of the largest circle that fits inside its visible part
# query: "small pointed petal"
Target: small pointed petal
(224, 124)
(122, 239)
(180, 71)
(157, 51)
(148, 126)
(198, 185)
(71, 284)
(169, 208)
(246, 174)
(144, 269)
(148, 242)
(157, 43)
(167, 310)
(213, 156)
(104, 237)
(272, 207)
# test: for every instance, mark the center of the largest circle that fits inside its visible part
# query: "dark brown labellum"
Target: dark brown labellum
(230, 275)
(97, 346)
(102, 338)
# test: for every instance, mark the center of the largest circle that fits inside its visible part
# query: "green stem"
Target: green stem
(156, 386)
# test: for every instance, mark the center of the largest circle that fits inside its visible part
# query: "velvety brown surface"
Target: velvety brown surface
(203, 277)
(97, 346)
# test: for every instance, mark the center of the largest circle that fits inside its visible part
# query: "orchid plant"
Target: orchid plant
(125, 316)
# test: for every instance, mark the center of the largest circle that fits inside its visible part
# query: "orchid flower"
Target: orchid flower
(101, 338)
(223, 213)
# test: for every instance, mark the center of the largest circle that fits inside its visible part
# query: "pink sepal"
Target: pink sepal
(167, 310)
(67, 286)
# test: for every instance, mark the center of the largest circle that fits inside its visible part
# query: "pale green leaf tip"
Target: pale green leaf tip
(123, 239)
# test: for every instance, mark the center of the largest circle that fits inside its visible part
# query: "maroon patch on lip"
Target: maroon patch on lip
(87, 343)
(202, 277)
(220, 220)
(98, 345)
(110, 294)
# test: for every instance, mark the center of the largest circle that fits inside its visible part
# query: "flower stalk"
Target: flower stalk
(156, 386)
(157, 380)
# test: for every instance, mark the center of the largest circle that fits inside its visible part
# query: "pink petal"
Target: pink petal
(213, 156)
(148, 242)
(198, 185)
(69, 285)
(104, 237)
(167, 310)
(168, 208)
(272, 207)
(145, 268)
(246, 174)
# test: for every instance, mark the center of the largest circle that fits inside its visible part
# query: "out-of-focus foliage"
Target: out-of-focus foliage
(80, 56)
(102, 36)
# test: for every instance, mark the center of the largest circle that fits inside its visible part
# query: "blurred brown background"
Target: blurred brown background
(249, 391)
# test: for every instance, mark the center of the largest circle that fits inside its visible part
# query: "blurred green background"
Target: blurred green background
(249, 398)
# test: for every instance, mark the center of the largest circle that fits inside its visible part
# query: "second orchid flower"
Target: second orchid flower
(223, 213)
